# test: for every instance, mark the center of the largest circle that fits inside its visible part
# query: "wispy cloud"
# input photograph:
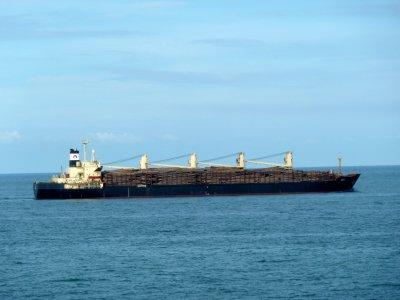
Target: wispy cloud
(385, 137)
(169, 137)
(157, 4)
(115, 137)
(379, 8)
(311, 141)
(9, 136)
(28, 33)
(167, 76)
(231, 42)
(30, 26)
(273, 76)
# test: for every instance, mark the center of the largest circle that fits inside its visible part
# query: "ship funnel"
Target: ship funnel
(144, 162)
(288, 161)
(73, 157)
(240, 161)
(193, 161)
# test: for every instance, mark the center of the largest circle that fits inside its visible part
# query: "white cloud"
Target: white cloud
(9, 136)
(115, 137)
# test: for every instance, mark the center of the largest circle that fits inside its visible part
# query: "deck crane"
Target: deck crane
(241, 160)
(192, 162)
(118, 167)
(287, 161)
(209, 162)
(111, 165)
(214, 164)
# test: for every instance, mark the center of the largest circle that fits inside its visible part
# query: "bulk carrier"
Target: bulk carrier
(90, 179)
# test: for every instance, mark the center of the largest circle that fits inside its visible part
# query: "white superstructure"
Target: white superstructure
(80, 174)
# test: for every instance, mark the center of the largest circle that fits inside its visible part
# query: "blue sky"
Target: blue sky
(321, 78)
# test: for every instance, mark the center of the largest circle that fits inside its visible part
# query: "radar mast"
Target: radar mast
(85, 142)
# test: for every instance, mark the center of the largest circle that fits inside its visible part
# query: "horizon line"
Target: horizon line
(334, 167)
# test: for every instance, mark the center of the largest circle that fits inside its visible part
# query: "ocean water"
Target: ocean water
(338, 245)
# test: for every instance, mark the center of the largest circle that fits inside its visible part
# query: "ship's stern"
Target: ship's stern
(48, 190)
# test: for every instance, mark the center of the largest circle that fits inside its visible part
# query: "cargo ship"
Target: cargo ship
(90, 179)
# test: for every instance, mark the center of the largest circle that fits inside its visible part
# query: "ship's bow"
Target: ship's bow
(347, 182)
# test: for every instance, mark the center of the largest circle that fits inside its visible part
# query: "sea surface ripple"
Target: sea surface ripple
(337, 245)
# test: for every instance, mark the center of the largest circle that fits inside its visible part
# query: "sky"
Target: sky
(320, 78)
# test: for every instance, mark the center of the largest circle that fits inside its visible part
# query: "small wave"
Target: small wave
(387, 284)
(277, 260)
(72, 279)
(167, 231)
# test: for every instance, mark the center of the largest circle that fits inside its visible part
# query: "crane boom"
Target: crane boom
(170, 166)
(118, 167)
(214, 164)
(265, 163)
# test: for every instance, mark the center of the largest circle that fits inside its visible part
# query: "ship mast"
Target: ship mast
(340, 164)
(85, 143)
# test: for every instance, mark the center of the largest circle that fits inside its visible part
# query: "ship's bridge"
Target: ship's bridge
(80, 173)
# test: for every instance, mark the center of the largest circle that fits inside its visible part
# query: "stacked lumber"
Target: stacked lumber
(211, 175)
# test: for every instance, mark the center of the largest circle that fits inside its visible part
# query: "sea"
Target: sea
(319, 246)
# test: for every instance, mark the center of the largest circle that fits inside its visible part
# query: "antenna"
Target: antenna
(85, 143)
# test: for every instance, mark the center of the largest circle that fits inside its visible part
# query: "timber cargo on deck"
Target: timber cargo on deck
(90, 179)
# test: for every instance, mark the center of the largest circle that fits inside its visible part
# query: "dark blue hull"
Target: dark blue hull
(57, 191)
